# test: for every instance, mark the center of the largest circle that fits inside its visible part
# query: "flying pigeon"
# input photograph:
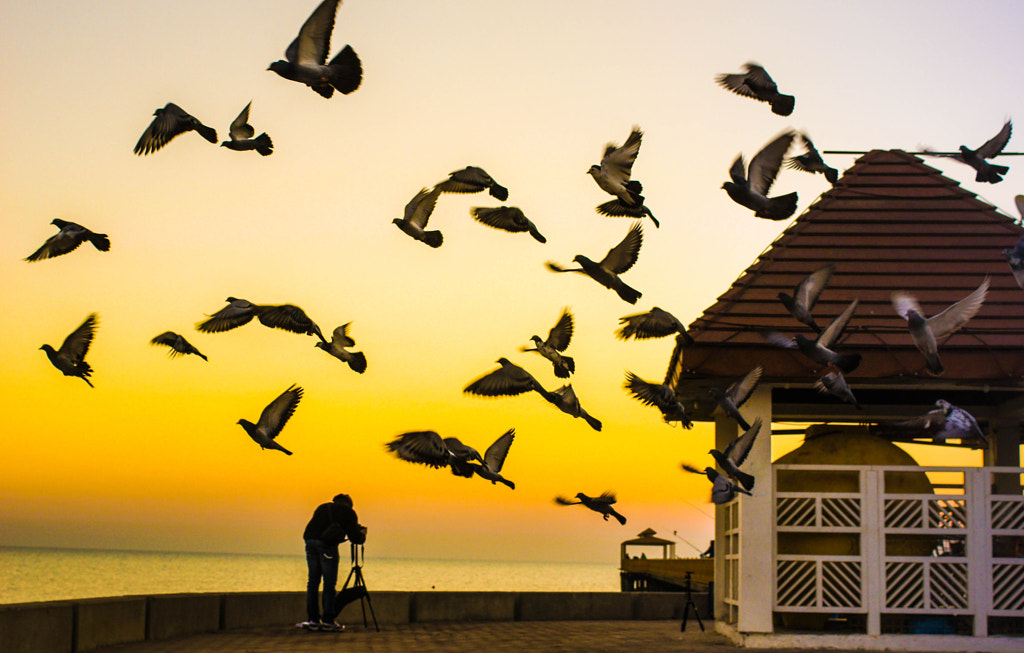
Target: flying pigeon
(417, 212)
(472, 179)
(70, 236)
(1015, 258)
(618, 260)
(802, 302)
(336, 347)
(70, 358)
(565, 400)
(428, 448)
(617, 209)
(242, 136)
(927, 331)
(506, 218)
(659, 395)
(756, 83)
(735, 453)
(812, 162)
(168, 123)
(822, 349)
(306, 56)
(613, 176)
(422, 447)
(507, 380)
(986, 172)
(494, 460)
(234, 315)
(289, 318)
(723, 490)
(602, 504)
(834, 383)
(273, 418)
(749, 186)
(655, 323)
(177, 343)
(737, 394)
(946, 422)
(556, 343)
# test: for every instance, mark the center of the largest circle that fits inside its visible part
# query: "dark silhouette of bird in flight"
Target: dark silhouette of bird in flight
(177, 344)
(602, 504)
(614, 176)
(926, 332)
(811, 161)
(749, 186)
(565, 400)
(616, 209)
(70, 236)
(659, 395)
(834, 383)
(736, 453)
(557, 342)
(822, 349)
(241, 133)
(273, 418)
(737, 394)
(472, 179)
(755, 82)
(655, 323)
(494, 460)
(417, 213)
(723, 489)
(168, 123)
(944, 422)
(70, 358)
(237, 313)
(336, 347)
(507, 218)
(619, 259)
(305, 59)
(507, 380)
(984, 171)
(805, 296)
(277, 316)
(428, 448)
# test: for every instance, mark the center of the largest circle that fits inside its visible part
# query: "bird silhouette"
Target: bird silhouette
(805, 296)
(177, 344)
(602, 504)
(723, 489)
(428, 448)
(170, 121)
(659, 395)
(749, 186)
(507, 218)
(70, 358)
(736, 453)
(617, 209)
(507, 380)
(241, 133)
(756, 83)
(238, 312)
(811, 161)
(565, 400)
(927, 331)
(305, 59)
(822, 349)
(417, 213)
(984, 171)
(494, 460)
(655, 323)
(273, 418)
(1015, 258)
(944, 422)
(737, 394)
(472, 179)
(614, 176)
(336, 347)
(619, 259)
(834, 383)
(557, 341)
(70, 236)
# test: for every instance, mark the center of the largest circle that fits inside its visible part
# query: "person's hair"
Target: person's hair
(343, 499)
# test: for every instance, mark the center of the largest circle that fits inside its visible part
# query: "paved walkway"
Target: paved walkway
(489, 637)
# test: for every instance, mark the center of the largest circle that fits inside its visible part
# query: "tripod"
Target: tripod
(355, 576)
(690, 604)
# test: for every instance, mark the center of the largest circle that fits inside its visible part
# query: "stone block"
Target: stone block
(109, 621)
(173, 615)
(463, 606)
(37, 627)
(258, 609)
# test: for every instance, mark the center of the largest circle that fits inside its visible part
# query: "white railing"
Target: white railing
(958, 552)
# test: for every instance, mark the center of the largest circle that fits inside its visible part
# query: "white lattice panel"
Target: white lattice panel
(903, 513)
(1007, 515)
(904, 585)
(841, 584)
(1008, 587)
(947, 513)
(840, 512)
(796, 584)
(795, 511)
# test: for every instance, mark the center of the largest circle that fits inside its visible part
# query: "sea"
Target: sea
(35, 574)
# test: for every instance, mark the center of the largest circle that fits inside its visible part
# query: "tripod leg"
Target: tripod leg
(365, 600)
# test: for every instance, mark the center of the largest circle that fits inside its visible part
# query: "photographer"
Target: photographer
(331, 524)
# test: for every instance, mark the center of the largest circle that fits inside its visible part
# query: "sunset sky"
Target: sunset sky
(152, 458)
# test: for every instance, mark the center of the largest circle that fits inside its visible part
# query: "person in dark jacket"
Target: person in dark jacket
(331, 524)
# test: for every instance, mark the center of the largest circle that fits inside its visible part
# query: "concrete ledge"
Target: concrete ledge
(37, 627)
(258, 609)
(105, 622)
(173, 615)
(573, 606)
(463, 606)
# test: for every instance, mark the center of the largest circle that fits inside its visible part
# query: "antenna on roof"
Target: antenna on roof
(919, 153)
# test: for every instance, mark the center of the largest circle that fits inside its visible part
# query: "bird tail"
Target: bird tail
(847, 362)
(358, 362)
(622, 520)
(346, 70)
(507, 482)
(563, 372)
(628, 294)
(832, 175)
(593, 421)
(100, 242)
(745, 480)
(782, 105)
(538, 236)
(498, 192)
(209, 133)
(935, 365)
(562, 501)
(433, 238)
(201, 355)
(264, 145)
(779, 208)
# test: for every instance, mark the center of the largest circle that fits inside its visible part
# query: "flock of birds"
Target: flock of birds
(749, 186)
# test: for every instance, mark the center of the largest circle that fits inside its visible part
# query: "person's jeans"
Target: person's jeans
(322, 561)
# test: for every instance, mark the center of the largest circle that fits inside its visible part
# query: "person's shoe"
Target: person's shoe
(332, 626)
(309, 625)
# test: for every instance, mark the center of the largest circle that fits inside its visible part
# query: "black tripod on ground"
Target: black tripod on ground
(355, 576)
(688, 588)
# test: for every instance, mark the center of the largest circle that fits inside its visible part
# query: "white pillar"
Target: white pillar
(726, 431)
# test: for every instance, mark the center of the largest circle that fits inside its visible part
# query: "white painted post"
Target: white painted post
(872, 542)
(725, 432)
(977, 486)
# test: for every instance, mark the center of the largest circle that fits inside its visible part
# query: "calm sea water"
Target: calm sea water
(55, 574)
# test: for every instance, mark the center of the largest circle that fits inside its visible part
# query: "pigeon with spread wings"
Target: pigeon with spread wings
(273, 418)
(614, 176)
(70, 236)
(473, 179)
(177, 344)
(750, 185)
(565, 400)
(601, 505)
(736, 453)
(618, 260)
(659, 395)
(417, 213)
(70, 358)
(337, 347)
(507, 380)
(805, 296)
(811, 161)
(984, 171)
(168, 123)
(926, 332)
(306, 56)
(723, 489)
(241, 133)
(556, 343)
(822, 349)
(655, 323)
(737, 394)
(755, 82)
(507, 218)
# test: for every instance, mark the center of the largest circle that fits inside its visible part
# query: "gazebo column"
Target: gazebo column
(1004, 450)
(726, 431)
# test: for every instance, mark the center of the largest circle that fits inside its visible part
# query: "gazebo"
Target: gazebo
(890, 223)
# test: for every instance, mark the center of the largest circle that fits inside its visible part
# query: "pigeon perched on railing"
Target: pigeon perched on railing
(305, 57)
(168, 123)
(756, 83)
(749, 186)
(70, 358)
(273, 418)
(70, 236)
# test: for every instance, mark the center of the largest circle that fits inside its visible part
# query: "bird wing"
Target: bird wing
(507, 218)
(995, 145)
(277, 413)
(312, 44)
(341, 336)
(607, 498)
(420, 207)
(288, 317)
(655, 323)
(648, 393)
(738, 449)
(765, 164)
(740, 390)
(168, 123)
(500, 382)
(168, 338)
(622, 257)
(903, 302)
(738, 171)
(235, 314)
(424, 447)
(240, 128)
(959, 313)
(693, 470)
(780, 340)
(55, 245)
(834, 330)
(808, 290)
(76, 345)
(1019, 201)
(561, 334)
(737, 82)
(494, 457)
(617, 161)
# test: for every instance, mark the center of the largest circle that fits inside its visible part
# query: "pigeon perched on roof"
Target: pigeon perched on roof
(305, 57)
(811, 161)
(602, 504)
(659, 395)
(273, 418)
(70, 236)
(805, 296)
(756, 83)
(177, 344)
(507, 380)
(944, 422)
(985, 171)
(1015, 258)
(241, 133)
(822, 349)
(168, 123)
(613, 176)
(565, 400)
(507, 218)
(737, 394)
(927, 331)
(472, 179)
(70, 358)
(723, 490)
(417, 213)
(736, 453)
(834, 383)
(749, 186)
(618, 260)
(336, 347)
(655, 323)
(557, 341)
